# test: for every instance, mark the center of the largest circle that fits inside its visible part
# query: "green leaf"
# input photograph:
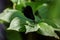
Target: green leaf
(31, 27)
(17, 24)
(9, 14)
(47, 30)
(57, 22)
(14, 35)
(43, 10)
(37, 19)
(6, 15)
(50, 22)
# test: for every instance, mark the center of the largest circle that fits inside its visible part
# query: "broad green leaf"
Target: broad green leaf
(50, 22)
(47, 30)
(37, 19)
(31, 27)
(6, 15)
(17, 24)
(51, 15)
(42, 11)
(57, 22)
(9, 14)
(14, 35)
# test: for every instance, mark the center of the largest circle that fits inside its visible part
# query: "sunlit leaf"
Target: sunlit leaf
(17, 24)
(6, 15)
(47, 30)
(31, 27)
(9, 14)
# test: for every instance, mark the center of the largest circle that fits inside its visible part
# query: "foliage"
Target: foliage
(47, 24)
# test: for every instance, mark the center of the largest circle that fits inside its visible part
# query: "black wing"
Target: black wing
(28, 12)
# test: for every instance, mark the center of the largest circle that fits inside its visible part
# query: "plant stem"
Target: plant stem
(14, 6)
